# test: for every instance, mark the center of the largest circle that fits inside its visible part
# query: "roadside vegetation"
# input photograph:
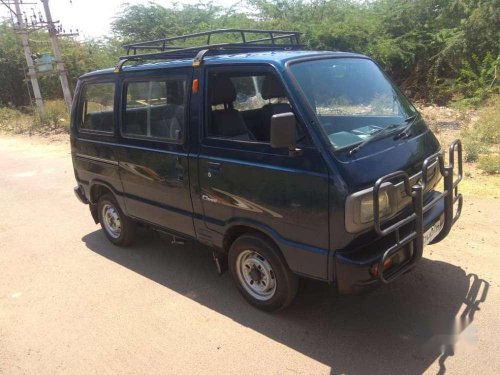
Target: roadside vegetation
(440, 52)
(479, 130)
(26, 120)
(482, 138)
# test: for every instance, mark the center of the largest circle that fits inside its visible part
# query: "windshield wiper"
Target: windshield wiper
(405, 132)
(376, 135)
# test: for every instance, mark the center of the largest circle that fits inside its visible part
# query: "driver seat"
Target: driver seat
(227, 122)
(272, 89)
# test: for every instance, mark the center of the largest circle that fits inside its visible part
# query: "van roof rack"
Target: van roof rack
(164, 49)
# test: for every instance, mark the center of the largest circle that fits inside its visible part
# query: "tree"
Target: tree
(153, 21)
(13, 90)
(438, 49)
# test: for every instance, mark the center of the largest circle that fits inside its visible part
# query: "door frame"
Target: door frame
(160, 145)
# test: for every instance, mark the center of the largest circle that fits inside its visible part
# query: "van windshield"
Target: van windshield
(352, 98)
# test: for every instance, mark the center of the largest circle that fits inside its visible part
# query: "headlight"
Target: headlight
(366, 207)
(359, 206)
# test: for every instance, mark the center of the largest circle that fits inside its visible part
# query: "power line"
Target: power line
(32, 73)
(35, 21)
(53, 34)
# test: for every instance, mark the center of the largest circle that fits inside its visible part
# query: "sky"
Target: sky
(93, 17)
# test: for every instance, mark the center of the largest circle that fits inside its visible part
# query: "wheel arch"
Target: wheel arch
(301, 258)
(237, 230)
(97, 188)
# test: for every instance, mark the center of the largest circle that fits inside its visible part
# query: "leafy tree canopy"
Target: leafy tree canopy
(436, 49)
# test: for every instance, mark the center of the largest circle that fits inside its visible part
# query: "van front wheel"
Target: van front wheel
(117, 227)
(261, 273)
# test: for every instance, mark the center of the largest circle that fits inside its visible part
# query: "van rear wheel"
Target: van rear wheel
(118, 228)
(261, 273)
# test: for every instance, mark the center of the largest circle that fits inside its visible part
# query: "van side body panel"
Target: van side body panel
(94, 155)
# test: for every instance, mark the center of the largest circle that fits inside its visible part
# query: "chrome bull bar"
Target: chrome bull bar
(449, 195)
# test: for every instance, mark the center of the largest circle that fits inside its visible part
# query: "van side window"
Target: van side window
(155, 109)
(241, 105)
(96, 107)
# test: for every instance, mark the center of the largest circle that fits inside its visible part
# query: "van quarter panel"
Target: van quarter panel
(93, 150)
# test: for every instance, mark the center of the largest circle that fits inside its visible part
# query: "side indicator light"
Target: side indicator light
(195, 86)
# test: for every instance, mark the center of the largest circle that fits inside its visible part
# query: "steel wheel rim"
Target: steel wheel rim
(111, 220)
(256, 275)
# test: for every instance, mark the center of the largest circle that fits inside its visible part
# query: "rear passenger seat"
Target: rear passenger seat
(100, 121)
(165, 121)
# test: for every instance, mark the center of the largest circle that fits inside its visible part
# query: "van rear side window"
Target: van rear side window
(155, 109)
(96, 107)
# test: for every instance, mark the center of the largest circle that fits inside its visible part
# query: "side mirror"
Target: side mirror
(283, 130)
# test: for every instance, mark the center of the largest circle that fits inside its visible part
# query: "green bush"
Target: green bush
(473, 149)
(56, 114)
(483, 138)
(477, 80)
(13, 120)
(490, 163)
(487, 128)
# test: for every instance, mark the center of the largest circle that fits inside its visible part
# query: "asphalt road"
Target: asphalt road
(70, 302)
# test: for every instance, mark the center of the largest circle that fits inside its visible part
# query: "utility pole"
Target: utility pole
(23, 32)
(57, 54)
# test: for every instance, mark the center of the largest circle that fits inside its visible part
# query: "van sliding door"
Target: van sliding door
(153, 152)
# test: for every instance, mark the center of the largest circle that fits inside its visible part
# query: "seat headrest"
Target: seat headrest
(272, 88)
(222, 90)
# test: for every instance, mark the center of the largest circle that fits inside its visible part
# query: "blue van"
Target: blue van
(287, 163)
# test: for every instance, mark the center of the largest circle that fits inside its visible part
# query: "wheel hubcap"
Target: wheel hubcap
(256, 275)
(111, 220)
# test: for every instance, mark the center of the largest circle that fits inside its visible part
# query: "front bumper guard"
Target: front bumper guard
(449, 195)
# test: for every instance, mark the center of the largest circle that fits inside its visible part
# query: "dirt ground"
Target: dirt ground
(70, 302)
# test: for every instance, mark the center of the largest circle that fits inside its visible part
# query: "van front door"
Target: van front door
(153, 152)
(245, 181)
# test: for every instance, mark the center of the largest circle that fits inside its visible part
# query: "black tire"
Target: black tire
(128, 226)
(258, 246)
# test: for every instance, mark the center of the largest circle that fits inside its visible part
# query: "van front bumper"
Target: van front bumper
(400, 244)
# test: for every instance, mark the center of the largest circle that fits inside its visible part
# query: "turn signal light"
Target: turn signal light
(387, 264)
(195, 86)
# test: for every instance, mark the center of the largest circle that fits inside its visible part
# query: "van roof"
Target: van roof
(277, 58)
